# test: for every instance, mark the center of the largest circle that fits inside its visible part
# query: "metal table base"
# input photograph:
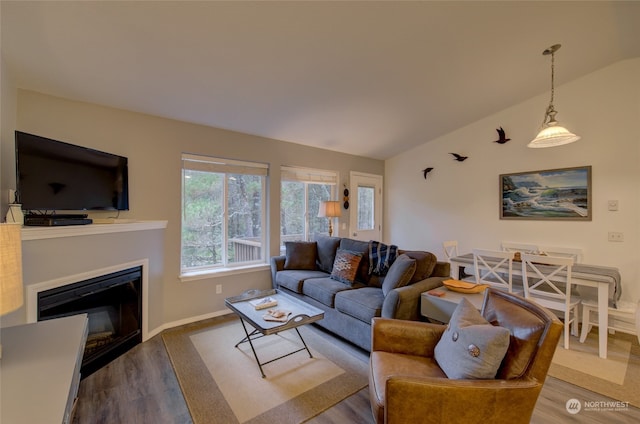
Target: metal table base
(255, 334)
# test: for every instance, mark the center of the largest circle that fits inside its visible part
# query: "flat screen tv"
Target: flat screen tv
(53, 176)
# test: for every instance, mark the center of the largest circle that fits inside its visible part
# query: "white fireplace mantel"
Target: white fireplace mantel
(38, 233)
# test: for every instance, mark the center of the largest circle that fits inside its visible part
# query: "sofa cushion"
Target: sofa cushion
(327, 247)
(425, 264)
(294, 279)
(361, 247)
(399, 274)
(324, 289)
(363, 303)
(470, 347)
(300, 255)
(345, 266)
(381, 257)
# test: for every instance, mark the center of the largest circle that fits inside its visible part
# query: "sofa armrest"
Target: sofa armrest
(277, 264)
(442, 269)
(405, 337)
(428, 400)
(404, 302)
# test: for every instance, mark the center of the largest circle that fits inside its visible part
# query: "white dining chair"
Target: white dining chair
(510, 246)
(450, 248)
(494, 267)
(547, 281)
(622, 318)
(572, 252)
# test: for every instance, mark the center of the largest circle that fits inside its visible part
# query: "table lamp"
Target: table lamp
(329, 209)
(11, 295)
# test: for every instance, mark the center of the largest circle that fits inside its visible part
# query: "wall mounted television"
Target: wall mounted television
(56, 176)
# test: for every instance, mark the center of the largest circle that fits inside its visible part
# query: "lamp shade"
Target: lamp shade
(552, 136)
(329, 209)
(11, 296)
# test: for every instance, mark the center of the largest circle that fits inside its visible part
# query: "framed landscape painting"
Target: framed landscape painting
(552, 194)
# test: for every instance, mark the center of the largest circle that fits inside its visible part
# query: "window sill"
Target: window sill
(222, 272)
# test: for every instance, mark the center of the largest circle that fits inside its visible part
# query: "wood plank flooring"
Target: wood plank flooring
(140, 387)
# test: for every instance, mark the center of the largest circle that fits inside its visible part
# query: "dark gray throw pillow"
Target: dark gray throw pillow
(327, 247)
(470, 347)
(300, 255)
(399, 274)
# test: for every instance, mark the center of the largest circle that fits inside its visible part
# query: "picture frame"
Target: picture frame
(552, 194)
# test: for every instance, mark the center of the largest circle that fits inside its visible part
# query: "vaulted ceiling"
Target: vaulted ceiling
(365, 78)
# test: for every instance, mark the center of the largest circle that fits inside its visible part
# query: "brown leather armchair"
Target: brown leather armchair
(406, 385)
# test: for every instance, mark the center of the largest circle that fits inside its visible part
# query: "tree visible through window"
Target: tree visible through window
(223, 213)
(302, 190)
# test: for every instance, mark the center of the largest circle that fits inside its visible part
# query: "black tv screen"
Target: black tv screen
(52, 175)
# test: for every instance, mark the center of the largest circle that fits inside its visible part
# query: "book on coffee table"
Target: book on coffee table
(264, 303)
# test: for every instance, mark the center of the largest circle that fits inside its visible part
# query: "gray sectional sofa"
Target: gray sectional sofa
(323, 273)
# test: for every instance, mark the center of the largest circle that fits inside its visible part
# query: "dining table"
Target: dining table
(606, 280)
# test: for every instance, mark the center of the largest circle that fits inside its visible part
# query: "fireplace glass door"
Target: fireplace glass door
(113, 304)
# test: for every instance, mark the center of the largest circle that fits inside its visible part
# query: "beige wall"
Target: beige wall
(460, 200)
(153, 146)
(8, 104)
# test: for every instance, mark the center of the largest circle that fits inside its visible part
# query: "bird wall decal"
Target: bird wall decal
(426, 171)
(502, 138)
(458, 157)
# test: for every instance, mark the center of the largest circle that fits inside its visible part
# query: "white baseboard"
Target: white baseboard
(184, 321)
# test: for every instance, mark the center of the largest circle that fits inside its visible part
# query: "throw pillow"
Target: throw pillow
(359, 246)
(300, 255)
(470, 347)
(425, 264)
(381, 257)
(399, 274)
(327, 247)
(345, 266)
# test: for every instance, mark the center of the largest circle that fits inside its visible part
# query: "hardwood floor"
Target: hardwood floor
(140, 387)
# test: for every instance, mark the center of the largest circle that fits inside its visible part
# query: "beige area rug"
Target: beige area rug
(617, 377)
(222, 383)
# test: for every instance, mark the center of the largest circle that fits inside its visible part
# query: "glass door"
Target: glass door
(365, 219)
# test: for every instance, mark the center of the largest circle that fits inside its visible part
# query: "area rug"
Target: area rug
(617, 377)
(222, 383)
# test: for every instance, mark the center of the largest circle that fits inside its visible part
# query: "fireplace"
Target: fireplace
(113, 303)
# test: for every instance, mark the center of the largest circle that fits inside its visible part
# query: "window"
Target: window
(302, 190)
(223, 213)
(366, 207)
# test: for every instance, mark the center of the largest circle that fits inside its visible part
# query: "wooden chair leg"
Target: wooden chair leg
(567, 323)
(574, 325)
(586, 323)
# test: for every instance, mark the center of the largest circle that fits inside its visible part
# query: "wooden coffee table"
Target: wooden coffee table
(301, 314)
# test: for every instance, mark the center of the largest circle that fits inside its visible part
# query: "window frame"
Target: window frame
(307, 176)
(226, 167)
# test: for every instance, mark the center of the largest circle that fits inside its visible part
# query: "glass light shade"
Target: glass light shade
(329, 209)
(11, 295)
(552, 136)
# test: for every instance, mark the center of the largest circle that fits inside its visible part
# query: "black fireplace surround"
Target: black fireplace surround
(113, 303)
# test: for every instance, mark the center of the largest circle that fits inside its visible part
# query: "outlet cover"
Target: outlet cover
(615, 236)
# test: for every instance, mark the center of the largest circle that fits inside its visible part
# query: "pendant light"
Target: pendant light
(552, 134)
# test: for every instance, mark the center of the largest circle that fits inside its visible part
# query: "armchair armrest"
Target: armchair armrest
(470, 401)
(406, 337)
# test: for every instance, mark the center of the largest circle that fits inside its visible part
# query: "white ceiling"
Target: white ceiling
(366, 78)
